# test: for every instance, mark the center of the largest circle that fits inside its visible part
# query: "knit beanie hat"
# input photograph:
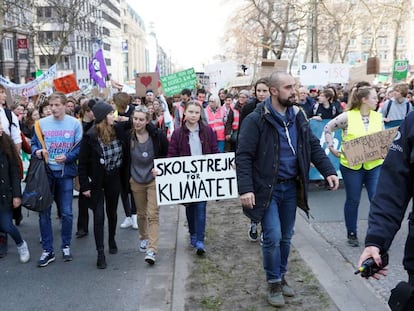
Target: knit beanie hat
(100, 111)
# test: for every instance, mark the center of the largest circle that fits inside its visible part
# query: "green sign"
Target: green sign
(176, 82)
(400, 70)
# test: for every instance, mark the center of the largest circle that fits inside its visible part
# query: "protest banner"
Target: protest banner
(146, 81)
(317, 127)
(66, 84)
(369, 147)
(195, 178)
(42, 84)
(323, 74)
(176, 82)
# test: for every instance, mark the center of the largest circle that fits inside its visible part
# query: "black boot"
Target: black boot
(113, 248)
(101, 263)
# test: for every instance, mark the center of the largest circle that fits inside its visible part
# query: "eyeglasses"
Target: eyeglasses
(141, 108)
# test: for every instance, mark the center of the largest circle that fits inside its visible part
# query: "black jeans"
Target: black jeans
(110, 193)
(83, 215)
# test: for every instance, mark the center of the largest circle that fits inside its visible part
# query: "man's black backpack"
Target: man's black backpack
(37, 195)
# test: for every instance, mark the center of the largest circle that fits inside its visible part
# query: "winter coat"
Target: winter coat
(394, 192)
(257, 158)
(159, 141)
(180, 146)
(9, 182)
(91, 168)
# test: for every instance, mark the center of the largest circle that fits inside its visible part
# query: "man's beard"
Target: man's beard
(287, 102)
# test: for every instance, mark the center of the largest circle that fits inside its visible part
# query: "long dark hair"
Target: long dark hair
(8, 147)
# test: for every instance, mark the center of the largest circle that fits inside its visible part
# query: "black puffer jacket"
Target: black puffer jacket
(257, 158)
(9, 182)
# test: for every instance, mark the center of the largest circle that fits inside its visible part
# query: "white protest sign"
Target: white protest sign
(195, 178)
(323, 74)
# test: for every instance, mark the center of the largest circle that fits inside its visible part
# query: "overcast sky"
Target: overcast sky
(188, 30)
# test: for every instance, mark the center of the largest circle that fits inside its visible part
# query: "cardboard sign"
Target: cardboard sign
(40, 100)
(146, 81)
(104, 94)
(195, 178)
(66, 84)
(369, 147)
(176, 82)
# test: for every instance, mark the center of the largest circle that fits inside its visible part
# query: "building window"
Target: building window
(106, 47)
(8, 50)
(42, 61)
(48, 11)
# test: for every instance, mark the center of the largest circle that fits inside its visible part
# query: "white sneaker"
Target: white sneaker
(143, 245)
(134, 221)
(24, 253)
(127, 223)
(150, 257)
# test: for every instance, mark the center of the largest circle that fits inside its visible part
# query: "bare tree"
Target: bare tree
(59, 20)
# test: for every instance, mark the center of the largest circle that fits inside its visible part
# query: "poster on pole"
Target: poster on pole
(400, 70)
(323, 73)
(176, 82)
(196, 178)
(369, 147)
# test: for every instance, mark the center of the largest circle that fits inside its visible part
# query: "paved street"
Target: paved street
(128, 283)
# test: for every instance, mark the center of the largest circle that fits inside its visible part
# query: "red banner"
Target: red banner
(66, 84)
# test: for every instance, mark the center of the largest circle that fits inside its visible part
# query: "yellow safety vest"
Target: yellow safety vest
(356, 129)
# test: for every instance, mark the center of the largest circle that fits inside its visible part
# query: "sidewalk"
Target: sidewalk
(334, 272)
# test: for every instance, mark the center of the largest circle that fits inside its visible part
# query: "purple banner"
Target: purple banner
(97, 68)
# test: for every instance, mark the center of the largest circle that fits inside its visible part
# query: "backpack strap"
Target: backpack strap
(388, 108)
(9, 116)
(39, 135)
(408, 105)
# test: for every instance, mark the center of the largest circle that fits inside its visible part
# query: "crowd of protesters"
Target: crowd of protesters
(95, 141)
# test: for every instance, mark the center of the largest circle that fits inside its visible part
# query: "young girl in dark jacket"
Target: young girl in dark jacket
(100, 160)
(10, 193)
(191, 139)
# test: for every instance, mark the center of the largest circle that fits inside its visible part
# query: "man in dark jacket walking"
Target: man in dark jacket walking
(276, 147)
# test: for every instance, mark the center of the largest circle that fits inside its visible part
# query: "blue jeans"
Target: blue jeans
(353, 181)
(220, 145)
(277, 227)
(196, 218)
(62, 188)
(6, 225)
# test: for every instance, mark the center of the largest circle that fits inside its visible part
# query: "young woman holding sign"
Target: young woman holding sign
(146, 144)
(191, 139)
(360, 119)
